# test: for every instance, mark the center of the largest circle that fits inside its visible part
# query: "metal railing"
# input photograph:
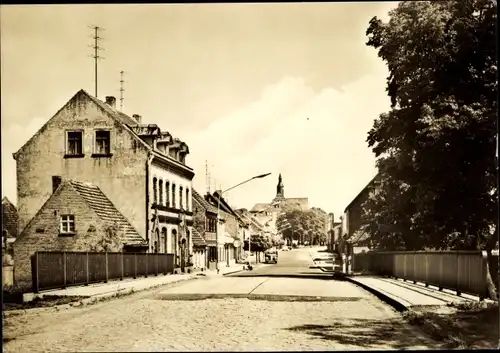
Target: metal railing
(59, 269)
(460, 271)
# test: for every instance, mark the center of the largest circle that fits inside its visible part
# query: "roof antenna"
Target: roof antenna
(96, 48)
(121, 90)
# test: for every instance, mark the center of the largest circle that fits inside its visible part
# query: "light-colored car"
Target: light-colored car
(284, 248)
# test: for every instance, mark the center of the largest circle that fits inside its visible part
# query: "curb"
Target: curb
(91, 300)
(382, 296)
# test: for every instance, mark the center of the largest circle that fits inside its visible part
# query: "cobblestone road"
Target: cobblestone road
(141, 322)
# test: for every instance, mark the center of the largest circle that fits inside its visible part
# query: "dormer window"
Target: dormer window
(172, 152)
(182, 157)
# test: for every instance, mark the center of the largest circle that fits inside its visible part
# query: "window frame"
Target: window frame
(96, 151)
(71, 220)
(67, 153)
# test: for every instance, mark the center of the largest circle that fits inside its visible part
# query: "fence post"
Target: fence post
(405, 275)
(64, 269)
(146, 261)
(427, 269)
(37, 277)
(157, 269)
(135, 265)
(441, 256)
(414, 267)
(122, 265)
(457, 285)
(87, 268)
(107, 264)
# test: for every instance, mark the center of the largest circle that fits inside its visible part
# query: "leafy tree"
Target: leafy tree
(304, 226)
(258, 242)
(436, 145)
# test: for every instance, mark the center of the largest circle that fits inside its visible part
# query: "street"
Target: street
(286, 306)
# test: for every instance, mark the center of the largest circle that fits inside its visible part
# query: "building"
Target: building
(10, 220)
(267, 213)
(231, 229)
(205, 224)
(352, 240)
(139, 167)
(76, 217)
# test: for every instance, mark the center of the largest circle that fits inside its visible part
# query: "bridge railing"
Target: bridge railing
(460, 271)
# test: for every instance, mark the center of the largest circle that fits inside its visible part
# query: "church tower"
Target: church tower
(280, 190)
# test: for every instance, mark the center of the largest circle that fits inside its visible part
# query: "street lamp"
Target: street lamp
(218, 214)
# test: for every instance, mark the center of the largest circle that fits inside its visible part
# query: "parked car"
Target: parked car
(271, 257)
(284, 248)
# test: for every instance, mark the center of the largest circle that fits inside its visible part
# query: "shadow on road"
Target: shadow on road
(302, 275)
(362, 333)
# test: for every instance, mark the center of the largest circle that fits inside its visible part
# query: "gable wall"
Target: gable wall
(121, 177)
(42, 234)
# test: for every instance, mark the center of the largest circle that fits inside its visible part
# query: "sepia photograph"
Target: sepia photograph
(301, 176)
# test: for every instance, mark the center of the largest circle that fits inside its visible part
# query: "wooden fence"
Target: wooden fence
(461, 271)
(53, 269)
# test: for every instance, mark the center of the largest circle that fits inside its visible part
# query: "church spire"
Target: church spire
(280, 188)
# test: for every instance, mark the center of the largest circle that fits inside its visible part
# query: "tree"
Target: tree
(436, 145)
(304, 226)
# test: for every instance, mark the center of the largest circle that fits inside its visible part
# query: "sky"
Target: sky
(251, 88)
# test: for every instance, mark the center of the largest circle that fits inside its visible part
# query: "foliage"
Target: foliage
(436, 145)
(258, 243)
(109, 241)
(304, 226)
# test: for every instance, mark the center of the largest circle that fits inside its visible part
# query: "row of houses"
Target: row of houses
(346, 237)
(95, 179)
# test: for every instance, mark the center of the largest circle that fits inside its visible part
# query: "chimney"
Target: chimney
(56, 181)
(110, 100)
(137, 117)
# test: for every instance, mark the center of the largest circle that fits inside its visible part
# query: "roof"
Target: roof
(10, 217)
(106, 211)
(129, 123)
(372, 181)
(198, 239)
(259, 207)
(204, 203)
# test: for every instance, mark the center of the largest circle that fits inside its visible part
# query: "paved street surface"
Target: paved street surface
(253, 310)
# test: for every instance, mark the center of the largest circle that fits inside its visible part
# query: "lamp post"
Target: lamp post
(219, 196)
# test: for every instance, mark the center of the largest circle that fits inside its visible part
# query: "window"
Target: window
(155, 192)
(67, 224)
(167, 194)
(174, 244)
(180, 196)
(160, 187)
(182, 157)
(74, 144)
(187, 199)
(102, 142)
(173, 195)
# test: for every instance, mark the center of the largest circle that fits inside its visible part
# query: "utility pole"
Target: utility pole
(121, 90)
(97, 48)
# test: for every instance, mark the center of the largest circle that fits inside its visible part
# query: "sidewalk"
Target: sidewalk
(404, 295)
(103, 290)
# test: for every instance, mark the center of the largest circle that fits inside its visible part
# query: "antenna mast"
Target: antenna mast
(207, 177)
(96, 48)
(121, 90)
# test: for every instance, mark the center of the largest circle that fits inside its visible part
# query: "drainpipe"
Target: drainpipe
(148, 208)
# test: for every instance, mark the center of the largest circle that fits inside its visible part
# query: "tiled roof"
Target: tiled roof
(105, 209)
(123, 118)
(206, 205)
(259, 207)
(10, 217)
(198, 239)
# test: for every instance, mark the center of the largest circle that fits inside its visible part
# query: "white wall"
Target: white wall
(160, 173)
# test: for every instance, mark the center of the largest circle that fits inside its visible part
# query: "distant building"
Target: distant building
(76, 217)
(352, 240)
(267, 213)
(10, 221)
(139, 167)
